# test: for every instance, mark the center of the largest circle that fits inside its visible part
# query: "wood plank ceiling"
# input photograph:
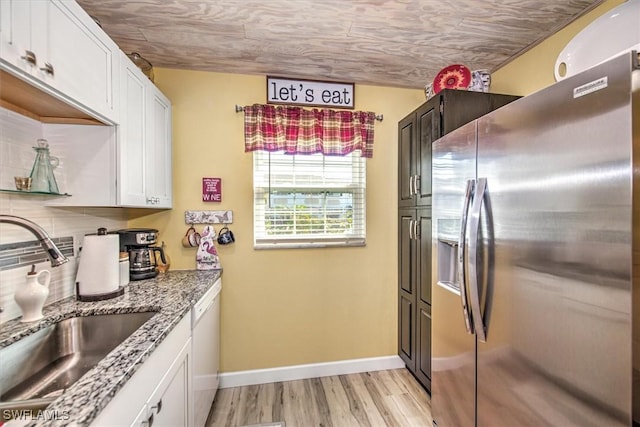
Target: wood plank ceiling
(398, 43)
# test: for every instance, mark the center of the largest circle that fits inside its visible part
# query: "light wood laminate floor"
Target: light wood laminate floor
(390, 398)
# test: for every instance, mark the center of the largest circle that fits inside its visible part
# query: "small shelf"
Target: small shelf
(34, 193)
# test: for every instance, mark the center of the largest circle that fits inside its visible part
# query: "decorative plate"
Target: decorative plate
(455, 76)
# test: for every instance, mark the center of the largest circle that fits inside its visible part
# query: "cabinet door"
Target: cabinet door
(158, 155)
(423, 290)
(406, 250)
(169, 403)
(423, 359)
(423, 255)
(132, 185)
(406, 287)
(407, 330)
(15, 33)
(406, 165)
(82, 58)
(427, 131)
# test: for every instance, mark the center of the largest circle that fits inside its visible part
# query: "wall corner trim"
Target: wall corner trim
(314, 370)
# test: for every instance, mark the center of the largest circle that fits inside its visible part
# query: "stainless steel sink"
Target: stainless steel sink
(38, 368)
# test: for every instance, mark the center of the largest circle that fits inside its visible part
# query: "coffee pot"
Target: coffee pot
(138, 242)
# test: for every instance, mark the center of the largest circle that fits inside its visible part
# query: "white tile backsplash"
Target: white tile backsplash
(18, 135)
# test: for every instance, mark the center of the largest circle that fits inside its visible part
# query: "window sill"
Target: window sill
(314, 245)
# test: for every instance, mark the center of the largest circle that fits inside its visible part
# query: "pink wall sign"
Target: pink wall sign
(211, 189)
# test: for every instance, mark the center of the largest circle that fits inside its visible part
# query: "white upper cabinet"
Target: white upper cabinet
(144, 144)
(159, 155)
(53, 47)
(57, 47)
(132, 188)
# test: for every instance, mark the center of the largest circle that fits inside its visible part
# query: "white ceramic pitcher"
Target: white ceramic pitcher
(31, 296)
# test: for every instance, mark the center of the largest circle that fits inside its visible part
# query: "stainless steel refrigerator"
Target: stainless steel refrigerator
(536, 293)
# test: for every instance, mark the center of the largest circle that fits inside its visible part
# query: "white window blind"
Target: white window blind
(308, 200)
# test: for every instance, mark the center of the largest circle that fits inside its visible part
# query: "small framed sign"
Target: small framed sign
(211, 189)
(281, 90)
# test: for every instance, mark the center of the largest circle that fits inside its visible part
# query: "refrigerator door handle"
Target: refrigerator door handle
(474, 290)
(462, 255)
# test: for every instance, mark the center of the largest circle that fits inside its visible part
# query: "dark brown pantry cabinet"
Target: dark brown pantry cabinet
(441, 114)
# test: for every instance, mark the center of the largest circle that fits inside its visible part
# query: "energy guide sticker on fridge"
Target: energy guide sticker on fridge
(590, 87)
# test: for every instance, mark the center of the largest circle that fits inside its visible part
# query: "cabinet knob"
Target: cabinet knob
(30, 57)
(48, 68)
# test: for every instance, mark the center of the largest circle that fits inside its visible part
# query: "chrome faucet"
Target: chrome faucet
(56, 257)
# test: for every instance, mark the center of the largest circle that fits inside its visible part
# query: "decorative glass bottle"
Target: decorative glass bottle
(42, 178)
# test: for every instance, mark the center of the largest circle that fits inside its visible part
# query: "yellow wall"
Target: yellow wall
(283, 307)
(288, 307)
(534, 70)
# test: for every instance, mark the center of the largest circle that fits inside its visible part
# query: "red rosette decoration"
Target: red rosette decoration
(455, 76)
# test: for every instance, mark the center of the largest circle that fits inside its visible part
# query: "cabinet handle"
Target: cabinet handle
(416, 230)
(148, 422)
(410, 229)
(30, 57)
(416, 185)
(411, 186)
(158, 407)
(48, 68)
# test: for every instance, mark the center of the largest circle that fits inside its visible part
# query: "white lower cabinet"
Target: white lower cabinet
(159, 393)
(169, 403)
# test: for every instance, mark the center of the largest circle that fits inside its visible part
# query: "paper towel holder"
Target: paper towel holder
(101, 248)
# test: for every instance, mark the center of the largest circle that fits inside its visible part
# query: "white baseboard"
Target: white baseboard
(314, 370)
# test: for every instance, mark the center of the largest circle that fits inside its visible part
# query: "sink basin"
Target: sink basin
(38, 368)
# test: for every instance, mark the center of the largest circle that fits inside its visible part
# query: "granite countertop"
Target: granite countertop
(171, 294)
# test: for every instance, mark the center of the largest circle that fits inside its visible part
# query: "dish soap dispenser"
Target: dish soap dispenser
(30, 297)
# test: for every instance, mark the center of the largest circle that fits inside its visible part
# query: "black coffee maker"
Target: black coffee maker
(138, 243)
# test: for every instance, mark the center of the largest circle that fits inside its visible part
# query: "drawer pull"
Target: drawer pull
(30, 57)
(48, 68)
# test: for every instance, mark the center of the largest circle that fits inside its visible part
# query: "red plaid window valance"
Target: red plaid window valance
(295, 130)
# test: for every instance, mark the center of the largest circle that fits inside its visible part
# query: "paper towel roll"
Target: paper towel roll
(99, 269)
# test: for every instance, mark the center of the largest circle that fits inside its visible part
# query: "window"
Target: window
(308, 200)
